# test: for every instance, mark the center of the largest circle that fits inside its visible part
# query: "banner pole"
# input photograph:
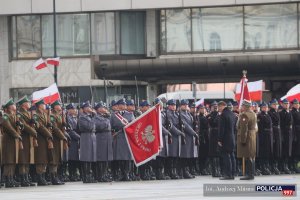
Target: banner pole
(243, 167)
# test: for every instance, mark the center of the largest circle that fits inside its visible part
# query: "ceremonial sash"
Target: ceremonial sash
(122, 119)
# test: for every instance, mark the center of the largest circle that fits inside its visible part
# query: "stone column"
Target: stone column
(5, 71)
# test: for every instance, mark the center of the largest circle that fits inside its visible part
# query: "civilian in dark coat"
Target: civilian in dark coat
(226, 140)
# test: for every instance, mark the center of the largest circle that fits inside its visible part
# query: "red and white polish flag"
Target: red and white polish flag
(244, 91)
(255, 90)
(293, 93)
(49, 94)
(39, 64)
(199, 102)
(53, 61)
(144, 136)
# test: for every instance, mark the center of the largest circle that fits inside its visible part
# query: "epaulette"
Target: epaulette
(5, 116)
(52, 118)
(35, 117)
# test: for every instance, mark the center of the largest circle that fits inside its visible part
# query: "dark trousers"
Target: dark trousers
(228, 163)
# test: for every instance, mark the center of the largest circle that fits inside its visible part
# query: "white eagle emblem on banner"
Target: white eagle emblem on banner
(147, 135)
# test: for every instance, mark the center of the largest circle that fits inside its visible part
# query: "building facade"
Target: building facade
(143, 45)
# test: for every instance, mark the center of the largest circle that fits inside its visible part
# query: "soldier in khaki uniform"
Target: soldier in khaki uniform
(11, 143)
(42, 154)
(29, 136)
(246, 139)
(59, 141)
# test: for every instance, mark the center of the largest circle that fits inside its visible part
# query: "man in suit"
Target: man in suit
(226, 140)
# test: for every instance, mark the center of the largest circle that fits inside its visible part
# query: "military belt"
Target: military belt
(87, 133)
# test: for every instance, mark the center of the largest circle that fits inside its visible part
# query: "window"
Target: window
(47, 36)
(257, 40)
(73, 34)
(224, 25)
(178, 33)
(274, 26)
(13, 37)
(163, 32)
(103, 33)
(28, 36)
(215, 42)
(132, 32)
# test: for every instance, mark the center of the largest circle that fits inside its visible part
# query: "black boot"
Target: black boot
(275, 167)
(28, 181)
(125, 171)
(89, 173)
(151, 174)
(297, 168)
(24, 183)
(41, 180)
(250, 170)
(286, 168)
(186, 174)
(215, 167)
(107, 175)
(143, 173)
(72, 172)
(100, 172)
(55, 180)
(0, 178)
(16, 184)
(264, 166)
(8, 182)
(206, 168)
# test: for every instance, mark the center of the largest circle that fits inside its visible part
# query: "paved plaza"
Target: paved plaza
(172, 189)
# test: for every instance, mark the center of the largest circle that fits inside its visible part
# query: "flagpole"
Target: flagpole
(54, 40)
(137, 91)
